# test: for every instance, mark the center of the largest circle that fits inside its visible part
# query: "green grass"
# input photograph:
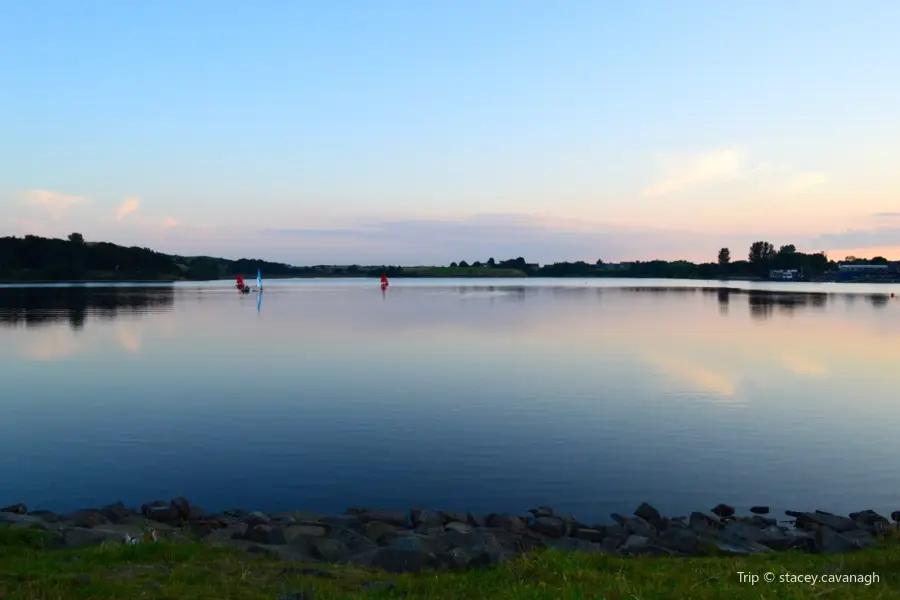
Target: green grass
(462, 272)
(168, 570)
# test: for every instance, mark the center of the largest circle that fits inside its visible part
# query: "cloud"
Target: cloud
(802, 182)
(169, 222)
(127, 207)
(879, 237)
(885, 215)
(728, 165)
(56, 202)
(699, 170)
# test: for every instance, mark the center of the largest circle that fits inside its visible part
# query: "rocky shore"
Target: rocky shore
(417, 539)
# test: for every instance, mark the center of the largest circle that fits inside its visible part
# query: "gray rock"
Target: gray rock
(80, 537)
(650, 515)
(552, 527)
(87, 518)
(739, 547)
(723, 510)
(330, 550)
(589, 534)
(392, 517)
(10, 518)
(454, 558)
(829, 541)
(45, 515)
(458, 527)
(678, 540)
(507, 522)
(635, 525)
(449, 516)
(226, 534)
(19, 509)
(634, 544)
(402, 560)
(704, 523)
(116, 511)
(307, 530)
(265, 534)
(569, 544)
(541, 511)
(476, 520)
(759, 510)
(817, 519)
(426, 518)
(895, 516)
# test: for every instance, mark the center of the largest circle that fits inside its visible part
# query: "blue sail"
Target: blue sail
(259, 279)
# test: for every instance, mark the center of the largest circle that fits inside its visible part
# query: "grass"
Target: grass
(192, 570)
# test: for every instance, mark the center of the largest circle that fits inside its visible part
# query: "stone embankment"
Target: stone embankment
(398, 541)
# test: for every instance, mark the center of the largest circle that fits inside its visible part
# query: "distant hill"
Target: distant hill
(34, 258)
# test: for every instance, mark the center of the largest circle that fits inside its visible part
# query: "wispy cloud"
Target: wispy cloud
(128, 206)
(802, 182)
(55, 202)
(169, 223)
(696, 171)
(886, 215)
(699, 170)
(860, 238)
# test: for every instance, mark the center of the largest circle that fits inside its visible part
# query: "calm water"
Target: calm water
(495, 395)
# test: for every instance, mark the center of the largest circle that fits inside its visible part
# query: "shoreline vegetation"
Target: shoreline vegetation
(175, 549)
(46, 260)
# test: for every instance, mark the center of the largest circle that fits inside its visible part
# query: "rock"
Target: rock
(306, 530)
(162, 512)
(458, 527)
(392, 517)
(550, 526)
(759, 510)
(678, 540)
(18, 509)
(871, 521)
(506, 521)
(265, 534)
(817, 519)
(226, 534)
(650, 515)
(723, 510)
(589, 534)
(633, 544)
(739, 547)
(449, 516)
(454, 558)
(704, 523)
(541, 511)
(611, 544)
(829, 541)
(895, 516)
(402, 560)
(426, 518)
(382, 533)
(183, 507)
(116, 511)
(330, 550)
(45, 515)
(634, 525)
(87, 518)
(475, 520)
(569, 544)
(256, 518)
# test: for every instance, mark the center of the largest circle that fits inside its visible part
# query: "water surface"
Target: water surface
(477, 395)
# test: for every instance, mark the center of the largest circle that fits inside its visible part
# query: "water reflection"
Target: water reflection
(33, 307)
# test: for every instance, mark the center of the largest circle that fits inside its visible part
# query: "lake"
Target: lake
(481, 395)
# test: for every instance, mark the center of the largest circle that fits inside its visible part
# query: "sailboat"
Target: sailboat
(259, 286)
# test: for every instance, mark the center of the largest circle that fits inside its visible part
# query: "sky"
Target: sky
(424, 132)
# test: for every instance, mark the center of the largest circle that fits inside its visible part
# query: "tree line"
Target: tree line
(33, 258)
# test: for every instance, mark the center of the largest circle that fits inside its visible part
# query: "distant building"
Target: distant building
(784, 274)
(862, 268)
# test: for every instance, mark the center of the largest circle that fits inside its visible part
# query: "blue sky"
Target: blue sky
(430, 131)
